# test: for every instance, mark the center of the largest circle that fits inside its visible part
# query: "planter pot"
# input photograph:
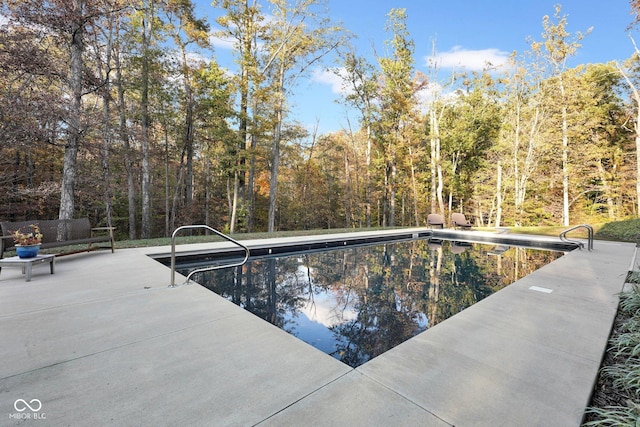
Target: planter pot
(28, 251)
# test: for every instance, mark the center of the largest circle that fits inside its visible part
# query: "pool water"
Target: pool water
(358, 302)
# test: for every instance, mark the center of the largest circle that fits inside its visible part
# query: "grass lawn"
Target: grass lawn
(625, 231)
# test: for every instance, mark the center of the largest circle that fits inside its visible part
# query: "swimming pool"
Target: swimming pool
(355, 303)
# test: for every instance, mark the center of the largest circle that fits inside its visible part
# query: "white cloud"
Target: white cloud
(325, 308)
(336, 81)
(330, 78)
(221, 43)
(475, 60)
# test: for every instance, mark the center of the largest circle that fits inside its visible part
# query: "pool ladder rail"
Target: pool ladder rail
(563, 236)
(203, 269)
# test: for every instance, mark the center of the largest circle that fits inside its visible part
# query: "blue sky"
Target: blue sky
(466, 33)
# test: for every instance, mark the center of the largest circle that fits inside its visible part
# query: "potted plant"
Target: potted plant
(27, 241)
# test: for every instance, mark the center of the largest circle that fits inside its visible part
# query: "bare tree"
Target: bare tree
(559, 46)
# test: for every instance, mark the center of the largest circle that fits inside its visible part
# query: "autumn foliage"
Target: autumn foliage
(117, 110)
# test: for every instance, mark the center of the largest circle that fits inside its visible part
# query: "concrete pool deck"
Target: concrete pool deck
(105, 341)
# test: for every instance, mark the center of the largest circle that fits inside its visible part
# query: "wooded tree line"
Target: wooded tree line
(118, 110)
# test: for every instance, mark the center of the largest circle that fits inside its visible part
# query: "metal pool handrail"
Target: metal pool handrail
(200, 270)
(563, 235)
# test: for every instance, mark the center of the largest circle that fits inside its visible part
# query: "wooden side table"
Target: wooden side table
(28, 263)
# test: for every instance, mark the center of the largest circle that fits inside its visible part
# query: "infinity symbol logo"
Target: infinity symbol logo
(21, 405)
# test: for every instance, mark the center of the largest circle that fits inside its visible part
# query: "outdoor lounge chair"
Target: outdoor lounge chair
(435, 220)
(460, 221)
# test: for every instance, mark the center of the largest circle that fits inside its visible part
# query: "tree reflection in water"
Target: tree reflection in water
(358, 302)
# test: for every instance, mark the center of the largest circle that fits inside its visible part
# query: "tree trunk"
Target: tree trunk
(273, 181)
(414, 187)
(355, 183)
(145, 121)
(128, 162)
(607, 190)
(67, 196)
(565, 157)
(392, 172)
(517, 204)
(275, 150)
(347, 190)
(434, 177)
(106, 135)
(187, 136)
(67, 203)
(229, 197)
(437, 181)
(637, 129)
(240, 173)
(499, 196)
(188, 141)
(234, 203)
(207, 192)
(168, 229)
(242, 193)
(522, 163)
(385, 201)
(368, 189)
(454, 170)
(176, 193)
(250, 185)
(440, 189)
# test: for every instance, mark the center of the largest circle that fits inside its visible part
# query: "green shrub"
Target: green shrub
(626, 231)
(623, 373)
